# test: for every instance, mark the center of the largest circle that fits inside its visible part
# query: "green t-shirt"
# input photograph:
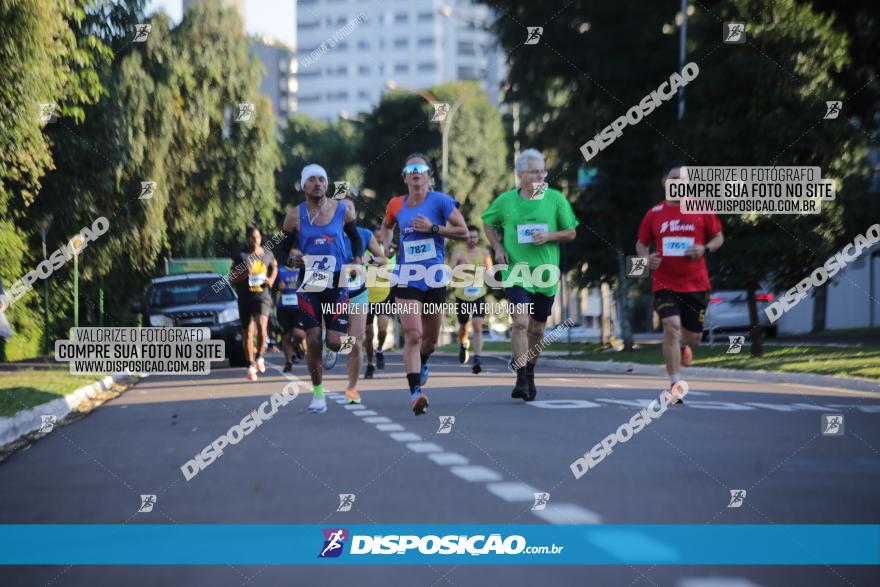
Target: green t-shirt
(516, 217)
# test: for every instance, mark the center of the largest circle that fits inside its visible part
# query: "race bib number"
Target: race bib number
(525, 233)
(420, 250)
(473, 290)
(289, 300)
(675, 246)
(256, 280)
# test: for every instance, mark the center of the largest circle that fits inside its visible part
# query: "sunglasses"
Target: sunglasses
(416, 168)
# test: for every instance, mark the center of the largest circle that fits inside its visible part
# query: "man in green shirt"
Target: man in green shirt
(525, 227)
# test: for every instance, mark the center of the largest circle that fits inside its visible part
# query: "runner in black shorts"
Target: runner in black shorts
(425, 219)
(287, 311)
(680, 278)
(470, 296)
(525, 227)
(253, 274)
(319, 226)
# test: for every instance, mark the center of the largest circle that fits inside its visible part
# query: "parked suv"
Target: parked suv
(189, 299)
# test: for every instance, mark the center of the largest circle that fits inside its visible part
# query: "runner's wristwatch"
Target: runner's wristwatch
(435, 228)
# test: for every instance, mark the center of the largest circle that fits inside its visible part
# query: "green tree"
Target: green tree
(478, 156)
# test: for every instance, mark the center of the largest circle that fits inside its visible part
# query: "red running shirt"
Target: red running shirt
(673, 232)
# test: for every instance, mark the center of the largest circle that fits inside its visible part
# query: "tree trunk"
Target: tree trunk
(820, 303)
(623, 297)
(755, 329)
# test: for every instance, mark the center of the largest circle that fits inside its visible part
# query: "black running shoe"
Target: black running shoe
(380, 360)
(369, 373)
(533, 392)
(520, 391)
(463, 353)
(476, 368)
(288, 366)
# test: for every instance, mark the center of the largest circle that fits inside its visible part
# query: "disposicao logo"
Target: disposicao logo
(334, 541)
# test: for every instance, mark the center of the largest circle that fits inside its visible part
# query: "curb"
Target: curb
(845, 383)
(30, 420)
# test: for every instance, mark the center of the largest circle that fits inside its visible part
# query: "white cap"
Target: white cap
(311, 170)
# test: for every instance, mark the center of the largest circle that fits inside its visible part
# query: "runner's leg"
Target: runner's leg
(313, 355)
(672, 346)
(356, 325)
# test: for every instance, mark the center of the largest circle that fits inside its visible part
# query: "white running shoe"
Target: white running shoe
(252, 373)
(318, 405)
(261, 365)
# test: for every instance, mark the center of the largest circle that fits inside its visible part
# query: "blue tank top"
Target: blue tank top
(325, 245)
(422, 248)
(287, 284)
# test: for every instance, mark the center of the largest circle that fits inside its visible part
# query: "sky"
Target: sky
(272, 18)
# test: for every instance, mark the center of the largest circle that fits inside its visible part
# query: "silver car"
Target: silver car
(728, 311)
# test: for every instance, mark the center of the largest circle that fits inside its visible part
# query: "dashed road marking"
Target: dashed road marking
(423, 447)
(448, 458)
(476, 473)
(512, 491)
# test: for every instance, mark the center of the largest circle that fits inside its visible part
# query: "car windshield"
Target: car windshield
(179, 293)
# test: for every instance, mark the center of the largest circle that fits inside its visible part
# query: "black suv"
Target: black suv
(190, 299)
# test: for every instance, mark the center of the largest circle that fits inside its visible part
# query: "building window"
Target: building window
(363, 44)
(283, 66)
(466, 48)
(401, 17)
(426, 42)
(425, 16)
(467, 73)
(401, 43)
(427, 67)
(363, 69)
(363, 95)
(310, 99)
(401, 68)
(308, 24)
(340, 96)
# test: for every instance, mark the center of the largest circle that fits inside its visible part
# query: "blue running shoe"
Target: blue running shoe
(330, 358)
(425, 374)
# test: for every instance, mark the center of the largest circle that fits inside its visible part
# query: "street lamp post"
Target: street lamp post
(682, 49)
(43, 227)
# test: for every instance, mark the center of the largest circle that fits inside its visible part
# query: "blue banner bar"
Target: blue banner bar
(183, 544)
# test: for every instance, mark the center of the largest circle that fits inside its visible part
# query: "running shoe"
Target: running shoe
(318, 404)
(380, 360)
(687, 356)
(288, 367)
(369, 372)
(520, 390)
(533, 392)
(252, 373)
(352, 396)
(463, 352)
(419, 402)
(476, 368)
(261, 365)
(330, 358)
(425, 374)
(676, 393)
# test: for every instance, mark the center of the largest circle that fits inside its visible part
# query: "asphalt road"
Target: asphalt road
(731, 434)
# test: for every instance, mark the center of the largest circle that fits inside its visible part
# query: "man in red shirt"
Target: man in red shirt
(680, 279)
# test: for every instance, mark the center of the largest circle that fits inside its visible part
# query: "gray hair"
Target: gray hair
(522, 160)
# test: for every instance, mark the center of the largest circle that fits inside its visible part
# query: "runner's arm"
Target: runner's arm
(357, 243)
(644, 251)
(455, 228)
(495, 237)
(378, 258)
(697, 251)
(273, 273)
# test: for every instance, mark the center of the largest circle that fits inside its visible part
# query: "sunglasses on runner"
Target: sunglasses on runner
(416, 168)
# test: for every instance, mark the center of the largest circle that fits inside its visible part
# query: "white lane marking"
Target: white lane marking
(448, 458)
(567, 513)
(563, 404)
(405, 437)
(340, 401)
(377, 420)
(363, 413)
(563, 379)
(424, 447)
(615, 385)
(633, 403)
(775, 407)
(476, 473)
(513, 491)
(389, 427)
(865, 409)
(715, 582)
(355, 407)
